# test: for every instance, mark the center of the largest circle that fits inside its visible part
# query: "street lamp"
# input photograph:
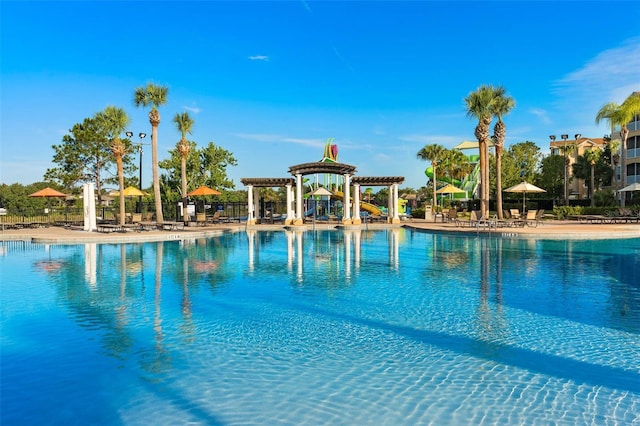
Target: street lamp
(566, 170)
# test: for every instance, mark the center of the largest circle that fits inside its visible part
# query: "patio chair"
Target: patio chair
(452, 215)
(531, 218)
(515, 213)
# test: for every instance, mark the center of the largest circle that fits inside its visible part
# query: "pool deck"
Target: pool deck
(550, 229)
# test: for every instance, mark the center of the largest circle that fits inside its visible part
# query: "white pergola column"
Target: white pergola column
(289, 219)
(251, 218)
(356, 204)
(256, 204)
(396, 216)
(390, 208)
(346, 202)
(299, 220)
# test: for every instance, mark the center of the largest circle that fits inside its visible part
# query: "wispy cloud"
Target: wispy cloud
(305, 4)
(609, 77)
(344, 61)
(194, 110)
(259, 58)
(263, 137)
(542, 115)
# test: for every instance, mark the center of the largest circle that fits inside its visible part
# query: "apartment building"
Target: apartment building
(632, 162)
(577, 188)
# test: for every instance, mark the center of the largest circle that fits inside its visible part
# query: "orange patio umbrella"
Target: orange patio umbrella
(203, 190)
(47, 193)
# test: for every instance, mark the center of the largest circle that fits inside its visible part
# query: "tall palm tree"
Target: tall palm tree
(614, 147)
(620, 115)
(434, 153)
(155, 96)
(501, 107)
(114, 121)
(184, 124)
(480, 106)
(592, 156)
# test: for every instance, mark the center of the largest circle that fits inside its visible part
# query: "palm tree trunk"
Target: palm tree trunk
(121, 186)
(593, 180)
(483, 182)
(183, 173)
(155, 174)
(435, 187)
(499, 180)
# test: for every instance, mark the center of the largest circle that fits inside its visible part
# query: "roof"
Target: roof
(580, 141)
(322, 167)
(268, 182)
(471, 144)
(377, 180)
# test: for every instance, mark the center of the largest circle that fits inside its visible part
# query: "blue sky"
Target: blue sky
(271, 81)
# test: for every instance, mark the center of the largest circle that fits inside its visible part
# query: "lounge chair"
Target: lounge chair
(530, 219)
(515, 213)
(452, 216)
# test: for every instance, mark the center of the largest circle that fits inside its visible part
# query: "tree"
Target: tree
(611, 152)
(205, 166)
(551, 177)
(154, 96)
(620, 115)
(84, 156)
(521, 162)
(480, 105)
(114, 120)
(592, 156)
(434, 153)
(184, 124)
(501, 107)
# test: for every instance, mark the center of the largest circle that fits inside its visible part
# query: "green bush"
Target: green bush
(417, 213)
(604, 198)
(562, 212)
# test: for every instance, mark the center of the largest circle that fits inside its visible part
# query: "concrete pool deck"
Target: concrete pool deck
(551, 229)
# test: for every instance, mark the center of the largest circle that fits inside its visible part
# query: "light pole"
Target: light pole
(566, 170)
(141, 136)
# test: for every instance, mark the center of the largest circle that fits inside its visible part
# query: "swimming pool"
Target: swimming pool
(322, 327)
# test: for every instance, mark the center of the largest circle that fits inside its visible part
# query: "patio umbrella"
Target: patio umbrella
(48, 193)
(130, 191)
(450, 189)
(203, 190)
(524, 187)
(629, 188)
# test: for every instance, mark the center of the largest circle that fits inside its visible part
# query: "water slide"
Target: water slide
(469, 183)
(368, 207)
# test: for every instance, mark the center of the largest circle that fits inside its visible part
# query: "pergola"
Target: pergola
(295, 216)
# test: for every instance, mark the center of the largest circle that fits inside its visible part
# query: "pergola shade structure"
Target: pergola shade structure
(295, 215)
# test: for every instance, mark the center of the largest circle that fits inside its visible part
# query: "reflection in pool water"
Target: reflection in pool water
(347, 327)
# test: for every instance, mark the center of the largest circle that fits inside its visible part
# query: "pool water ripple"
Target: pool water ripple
(385, 328)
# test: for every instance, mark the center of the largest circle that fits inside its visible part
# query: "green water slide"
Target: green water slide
(468, 184)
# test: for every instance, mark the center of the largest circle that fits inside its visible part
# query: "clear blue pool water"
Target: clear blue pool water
(328, 327)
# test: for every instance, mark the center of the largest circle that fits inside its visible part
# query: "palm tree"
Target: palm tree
(184, 124)
(434, 153)
(114, 121)
(155, 96)
(460, 165)
(592, 156)
(480, 105)
(501, 107)
(620, 115)
(614, 147)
